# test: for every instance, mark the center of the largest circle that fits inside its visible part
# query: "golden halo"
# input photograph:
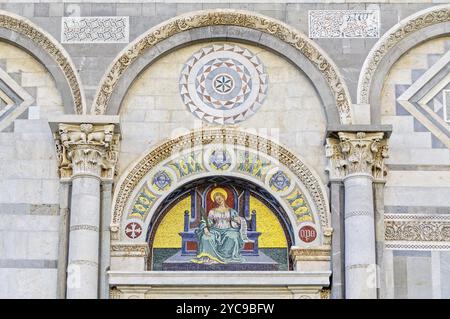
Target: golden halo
(220, 191)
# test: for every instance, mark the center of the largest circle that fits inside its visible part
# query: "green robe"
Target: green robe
(225, 242)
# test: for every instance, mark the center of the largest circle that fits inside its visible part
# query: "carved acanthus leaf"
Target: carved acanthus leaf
(87, 149)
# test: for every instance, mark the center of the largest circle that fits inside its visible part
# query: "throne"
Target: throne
(189, 242)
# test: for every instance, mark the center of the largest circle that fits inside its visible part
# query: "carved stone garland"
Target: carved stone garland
(26, 28)
(233, 18)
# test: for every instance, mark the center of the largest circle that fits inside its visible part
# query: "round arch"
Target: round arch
(190, 157)
(411, 31)
(47, 50)
(233, 25)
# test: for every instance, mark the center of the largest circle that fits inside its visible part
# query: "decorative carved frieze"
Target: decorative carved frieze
(344, 23)
(87, 149)
(420, 228)
(357, 153)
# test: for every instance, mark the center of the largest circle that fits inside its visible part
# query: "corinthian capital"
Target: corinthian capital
(357, 153)
(86, 149)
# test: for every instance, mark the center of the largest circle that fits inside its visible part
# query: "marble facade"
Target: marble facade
(327, 124)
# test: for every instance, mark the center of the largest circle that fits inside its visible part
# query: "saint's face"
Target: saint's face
(219, 199)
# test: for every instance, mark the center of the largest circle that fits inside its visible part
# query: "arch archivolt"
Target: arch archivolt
(51, 47)
(175, 27)
(433, 20)
(213, 152)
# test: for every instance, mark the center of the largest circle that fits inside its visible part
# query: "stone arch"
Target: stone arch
(46, 49)
(426, 24)
(252, 157)
(226, 24)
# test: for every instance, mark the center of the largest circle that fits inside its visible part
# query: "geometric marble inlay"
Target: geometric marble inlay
(426, 98)
(94, 29)
(14, 100)
(344, 23)
(223, 84)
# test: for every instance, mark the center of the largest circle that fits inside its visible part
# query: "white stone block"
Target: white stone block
(42, 245)
(29, 283)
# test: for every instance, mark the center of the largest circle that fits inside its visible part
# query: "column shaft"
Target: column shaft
(84, 238)
(360, 254)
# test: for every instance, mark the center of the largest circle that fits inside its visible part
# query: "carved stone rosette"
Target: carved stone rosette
(87, 149)
(357, 153)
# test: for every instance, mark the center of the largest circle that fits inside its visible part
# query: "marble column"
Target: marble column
(87, 155)
(357, 158)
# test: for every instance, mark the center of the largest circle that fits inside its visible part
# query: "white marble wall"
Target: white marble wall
(29, 186)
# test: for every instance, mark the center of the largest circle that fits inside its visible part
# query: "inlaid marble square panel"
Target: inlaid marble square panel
(95, 30)
(344, 23)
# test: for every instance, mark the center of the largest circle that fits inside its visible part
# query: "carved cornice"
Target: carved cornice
(165, 150)
(87, 149)
(357, 153)
(423, 19)
(129, 250)
(52, 47)
(233, 18)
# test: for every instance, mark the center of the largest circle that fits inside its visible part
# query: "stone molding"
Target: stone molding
(43, 39)
(357, 153)
(225, 17)
(317, 279)
(86, 149)
(129, 250)
(420, 20)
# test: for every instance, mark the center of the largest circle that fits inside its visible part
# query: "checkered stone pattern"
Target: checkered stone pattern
(223, 84)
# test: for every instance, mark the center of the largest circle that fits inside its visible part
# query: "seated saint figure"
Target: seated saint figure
(220, 237)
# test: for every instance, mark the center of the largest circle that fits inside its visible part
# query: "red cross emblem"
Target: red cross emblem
(133, 230)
